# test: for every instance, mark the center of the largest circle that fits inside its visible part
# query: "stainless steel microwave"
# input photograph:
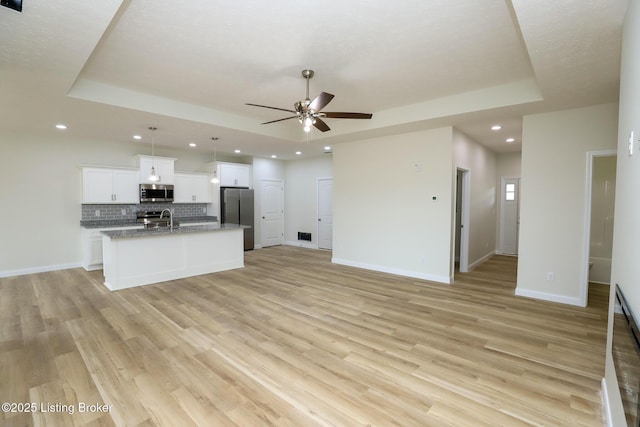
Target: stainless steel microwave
(155, 193)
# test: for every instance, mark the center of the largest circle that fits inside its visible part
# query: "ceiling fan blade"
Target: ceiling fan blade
(272, 108)
(320, 125)
(320, 101)
(279, 120)
(348, 115)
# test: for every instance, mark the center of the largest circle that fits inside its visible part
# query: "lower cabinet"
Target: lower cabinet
(92, 246)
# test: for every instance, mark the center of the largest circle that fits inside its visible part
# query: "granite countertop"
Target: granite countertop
(108, 223)
(163, 231)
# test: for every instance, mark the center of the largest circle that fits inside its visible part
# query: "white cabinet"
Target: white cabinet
(192, 188)
(104, 185)
(164, 167)
(234, 175)
(92, 245)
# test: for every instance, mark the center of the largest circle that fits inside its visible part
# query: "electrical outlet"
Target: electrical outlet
(97, 212)
(124, 212)
(551, 276)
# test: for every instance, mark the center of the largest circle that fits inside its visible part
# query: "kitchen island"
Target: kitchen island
(137, 257)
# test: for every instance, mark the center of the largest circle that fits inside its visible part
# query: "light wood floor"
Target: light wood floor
(292, 340)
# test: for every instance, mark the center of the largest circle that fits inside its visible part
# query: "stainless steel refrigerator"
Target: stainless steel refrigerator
(236, 207)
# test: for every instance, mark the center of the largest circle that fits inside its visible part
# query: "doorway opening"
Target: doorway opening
(599, 207)
(461, 220)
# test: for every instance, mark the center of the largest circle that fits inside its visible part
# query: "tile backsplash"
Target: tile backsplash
(111, 211)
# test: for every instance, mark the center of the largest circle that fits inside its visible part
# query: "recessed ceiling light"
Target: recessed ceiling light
(298, 153)
(273, 156)
(237, 151)
(137, 137)
(61, 126)
(327, 148)
(496, 127)
(192, 144)
(509, 140)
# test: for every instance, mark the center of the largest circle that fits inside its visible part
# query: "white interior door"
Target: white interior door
(271, 212)
(510, 215)
(325, 213)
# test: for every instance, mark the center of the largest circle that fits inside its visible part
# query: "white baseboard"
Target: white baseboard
(38, 269)
(481, 260)
(549, 297)
(397, 271)
(606, 407)
(301, 244)
(600, 283)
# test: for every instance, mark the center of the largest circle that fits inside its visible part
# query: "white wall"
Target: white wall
(553, 198)
(509, 165)
(482, 165)
(384, 215)
(625, 268)
(40, 206)
(301, 197)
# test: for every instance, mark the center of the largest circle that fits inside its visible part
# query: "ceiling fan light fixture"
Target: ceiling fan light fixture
(309, 112)
(308, 121)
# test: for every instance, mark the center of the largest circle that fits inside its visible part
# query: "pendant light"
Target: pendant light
(215, 179)
(153, 177)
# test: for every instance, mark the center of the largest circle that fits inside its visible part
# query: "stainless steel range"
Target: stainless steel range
(156, 219)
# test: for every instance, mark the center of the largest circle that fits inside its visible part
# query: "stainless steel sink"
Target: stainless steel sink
(160, 223)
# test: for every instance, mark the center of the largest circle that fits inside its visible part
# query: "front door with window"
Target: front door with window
(510, 216)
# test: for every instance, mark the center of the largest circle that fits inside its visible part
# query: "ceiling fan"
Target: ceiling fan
(308, 112)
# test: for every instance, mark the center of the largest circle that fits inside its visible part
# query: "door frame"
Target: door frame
(501, 220)
(326, 178)
(464, 217)
(591, 155)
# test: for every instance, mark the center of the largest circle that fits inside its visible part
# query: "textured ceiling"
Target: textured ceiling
(113, 68)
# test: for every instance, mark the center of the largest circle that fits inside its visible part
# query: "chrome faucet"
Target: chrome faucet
(170, 217)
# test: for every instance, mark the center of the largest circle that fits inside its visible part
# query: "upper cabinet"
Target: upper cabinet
(192, 188)
(164, 168)
(107, 185)
(234, 175)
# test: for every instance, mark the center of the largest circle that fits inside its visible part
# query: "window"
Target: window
(510, 192)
